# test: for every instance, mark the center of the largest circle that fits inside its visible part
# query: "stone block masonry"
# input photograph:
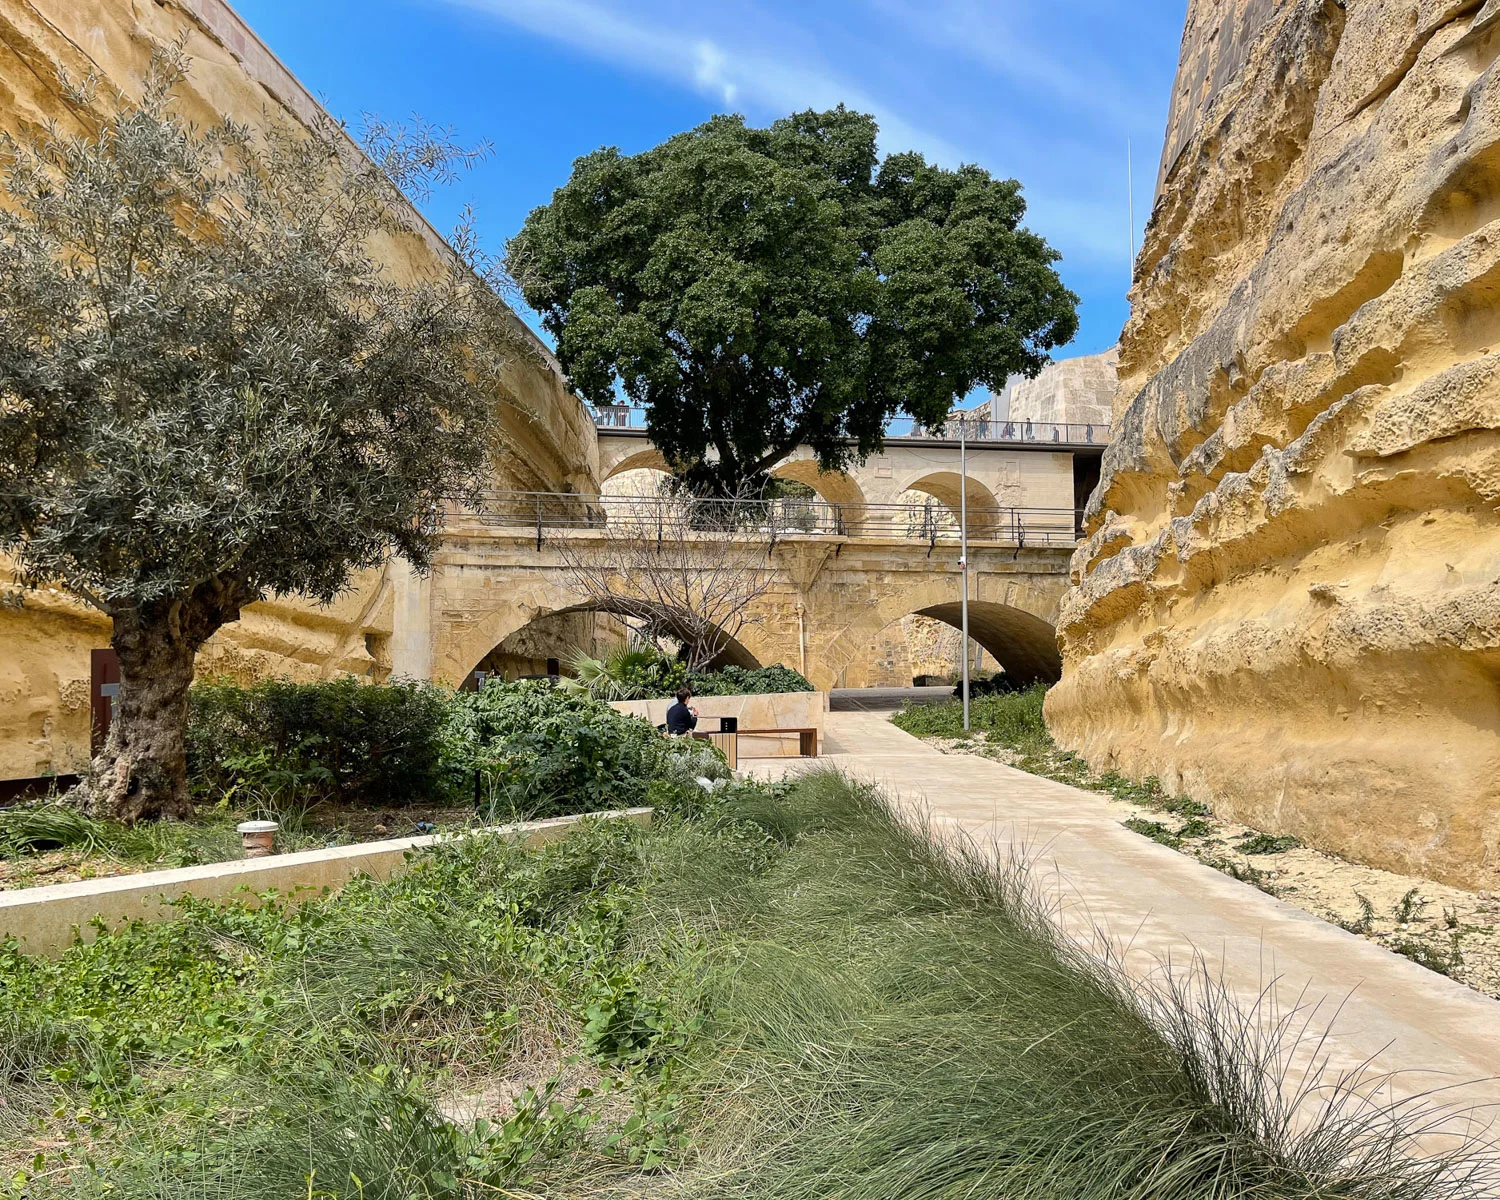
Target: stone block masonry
(1288, 601)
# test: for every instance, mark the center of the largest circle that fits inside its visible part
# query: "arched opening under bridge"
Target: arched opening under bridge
(899, 642)
(548, 642)
(947, 487)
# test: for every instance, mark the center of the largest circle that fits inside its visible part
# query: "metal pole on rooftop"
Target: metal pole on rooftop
(963, 552)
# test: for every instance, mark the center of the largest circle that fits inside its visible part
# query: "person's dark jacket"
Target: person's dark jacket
(679, 719)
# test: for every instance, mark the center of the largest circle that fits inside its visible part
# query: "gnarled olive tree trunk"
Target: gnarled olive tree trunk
(142, 771)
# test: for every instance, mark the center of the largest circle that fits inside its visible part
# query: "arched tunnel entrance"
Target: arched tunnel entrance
(923, 646)
(1023, 644)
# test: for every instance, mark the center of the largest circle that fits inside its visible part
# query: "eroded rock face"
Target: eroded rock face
(1289, 601)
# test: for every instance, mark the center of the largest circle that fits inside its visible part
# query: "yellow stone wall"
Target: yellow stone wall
(1289, 602)
(44, 647)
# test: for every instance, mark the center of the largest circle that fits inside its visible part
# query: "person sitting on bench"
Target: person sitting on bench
(680, 718)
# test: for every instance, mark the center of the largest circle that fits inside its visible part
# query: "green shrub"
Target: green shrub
(542, 751)
(747, 681)
(279, 745)
(1013, 719)
(650, 675)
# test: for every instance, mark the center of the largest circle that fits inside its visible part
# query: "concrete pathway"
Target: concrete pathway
(1156, 906)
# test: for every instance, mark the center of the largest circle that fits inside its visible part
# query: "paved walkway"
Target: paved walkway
(1158, 906)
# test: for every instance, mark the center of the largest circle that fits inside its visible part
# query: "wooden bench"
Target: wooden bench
(727, 742)
(807, 739)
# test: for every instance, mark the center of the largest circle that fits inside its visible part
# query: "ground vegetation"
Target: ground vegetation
(783, 991)
(342, 761)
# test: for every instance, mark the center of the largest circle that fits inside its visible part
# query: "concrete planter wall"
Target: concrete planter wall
(764, 710)
(45, 919)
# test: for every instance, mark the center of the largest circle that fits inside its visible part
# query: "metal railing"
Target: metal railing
(785, 517)
(975, 429)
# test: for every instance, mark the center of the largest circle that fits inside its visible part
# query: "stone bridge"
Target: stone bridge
(497, 597)
(1039, 466)
(500, 596)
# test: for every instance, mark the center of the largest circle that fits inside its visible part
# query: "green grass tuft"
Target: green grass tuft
(795, 994)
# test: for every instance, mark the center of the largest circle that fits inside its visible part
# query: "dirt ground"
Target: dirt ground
(1445, 929)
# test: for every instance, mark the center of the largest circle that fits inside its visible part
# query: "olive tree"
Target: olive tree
(210, 389)
(759, 289)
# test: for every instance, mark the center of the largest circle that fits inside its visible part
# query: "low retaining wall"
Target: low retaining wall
(763, 710)
(46, 919)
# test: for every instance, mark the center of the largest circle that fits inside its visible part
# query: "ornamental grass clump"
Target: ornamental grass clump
(792, 993)
(897, 1019)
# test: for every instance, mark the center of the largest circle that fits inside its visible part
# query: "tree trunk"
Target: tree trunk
(142, 771)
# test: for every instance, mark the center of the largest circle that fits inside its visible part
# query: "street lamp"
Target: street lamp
(963, 552)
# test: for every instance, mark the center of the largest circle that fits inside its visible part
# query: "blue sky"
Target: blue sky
(1045, 91)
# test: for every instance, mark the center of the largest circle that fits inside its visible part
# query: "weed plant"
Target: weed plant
(786, 992)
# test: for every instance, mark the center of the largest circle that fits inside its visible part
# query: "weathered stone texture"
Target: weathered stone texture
(1076, 391)
(1288, 603)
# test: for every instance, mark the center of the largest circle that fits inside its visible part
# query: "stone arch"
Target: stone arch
(836, 487)
(466, 650)
(1021, 642)
(646, 458)
(636, 481)
(1012, 619)
(943, 486)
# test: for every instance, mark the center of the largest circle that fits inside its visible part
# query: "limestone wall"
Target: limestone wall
(1077, 391)
(44, 648)
(1289, 604)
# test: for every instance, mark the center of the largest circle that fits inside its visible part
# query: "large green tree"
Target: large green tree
(757, 289)
(211, 391)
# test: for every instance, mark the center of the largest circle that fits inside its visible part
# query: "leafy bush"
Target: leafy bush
(279, 745)
(747, 681)
(541, 751)
(648, 675)
(629, 675)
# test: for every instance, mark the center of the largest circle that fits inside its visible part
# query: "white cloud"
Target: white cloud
(740, 57)
(749, 75)
(993, 37)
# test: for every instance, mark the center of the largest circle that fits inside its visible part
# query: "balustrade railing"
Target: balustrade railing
(784, 517)
(975, 429)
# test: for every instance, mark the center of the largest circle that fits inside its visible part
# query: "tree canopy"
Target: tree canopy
(757, 289)
(211, 390)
